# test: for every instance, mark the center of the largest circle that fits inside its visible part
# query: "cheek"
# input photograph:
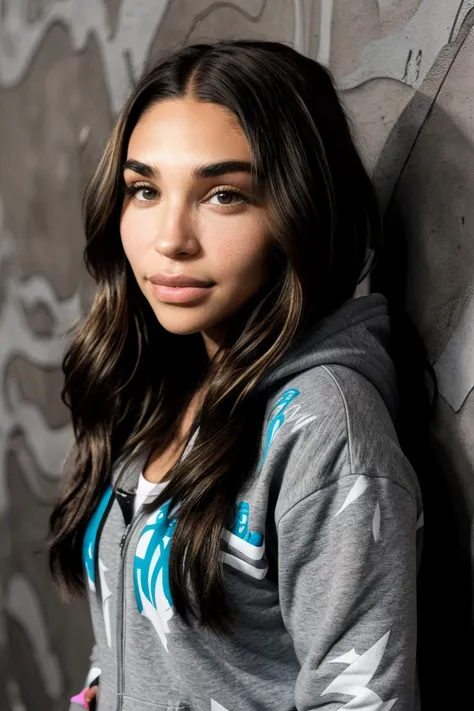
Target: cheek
(248, 266)
(125, 234)
(243, 256)
(132, 237)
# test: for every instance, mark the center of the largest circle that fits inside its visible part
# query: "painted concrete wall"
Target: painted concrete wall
(406, 69)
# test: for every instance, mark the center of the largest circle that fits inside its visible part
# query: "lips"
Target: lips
(179, 289)
(178, 280)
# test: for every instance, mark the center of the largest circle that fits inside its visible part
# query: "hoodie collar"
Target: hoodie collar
(355, 336)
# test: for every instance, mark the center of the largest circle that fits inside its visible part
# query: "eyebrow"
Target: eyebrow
(210, 170)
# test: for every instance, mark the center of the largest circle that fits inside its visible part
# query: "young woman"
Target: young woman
(239, 506)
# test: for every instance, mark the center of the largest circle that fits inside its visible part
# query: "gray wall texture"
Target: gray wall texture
(406, 72)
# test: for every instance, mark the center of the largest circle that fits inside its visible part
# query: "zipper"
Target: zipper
(105, 515)
(123, 545)
(123, 539)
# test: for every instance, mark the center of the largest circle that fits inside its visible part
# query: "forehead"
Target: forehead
(189, 131)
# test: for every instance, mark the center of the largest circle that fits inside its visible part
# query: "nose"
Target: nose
(175, 233)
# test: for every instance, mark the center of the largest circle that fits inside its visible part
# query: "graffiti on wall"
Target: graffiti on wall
(401, 68)
(123, 51)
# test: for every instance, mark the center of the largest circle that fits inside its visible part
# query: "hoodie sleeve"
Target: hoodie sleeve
(347, 572)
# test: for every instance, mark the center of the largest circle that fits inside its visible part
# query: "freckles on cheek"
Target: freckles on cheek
(130, 243)
(138, 232)
(130, 254)
(249, 255)
(125, 227)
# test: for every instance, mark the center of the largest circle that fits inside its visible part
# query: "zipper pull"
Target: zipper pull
(123, 539)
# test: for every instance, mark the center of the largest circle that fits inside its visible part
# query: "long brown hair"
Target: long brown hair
(127, 380)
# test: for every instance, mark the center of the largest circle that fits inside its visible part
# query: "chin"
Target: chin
(184, 323)
(179, 330)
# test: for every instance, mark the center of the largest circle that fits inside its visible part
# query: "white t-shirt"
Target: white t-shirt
(146, 491)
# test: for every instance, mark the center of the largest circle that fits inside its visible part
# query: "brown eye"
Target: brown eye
(141, 193)
(146, 194)
(225, 198)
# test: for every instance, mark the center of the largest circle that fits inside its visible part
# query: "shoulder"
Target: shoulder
(329, 423)
(330, 399)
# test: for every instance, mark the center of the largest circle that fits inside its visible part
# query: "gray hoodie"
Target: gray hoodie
(320, 563)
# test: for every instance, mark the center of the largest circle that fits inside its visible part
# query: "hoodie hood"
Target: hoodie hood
(355, 336)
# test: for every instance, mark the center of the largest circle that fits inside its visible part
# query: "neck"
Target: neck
(213, 340)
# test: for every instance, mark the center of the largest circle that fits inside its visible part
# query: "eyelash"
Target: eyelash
(133, 189)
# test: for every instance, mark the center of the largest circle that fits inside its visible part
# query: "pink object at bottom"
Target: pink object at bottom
(80, 699)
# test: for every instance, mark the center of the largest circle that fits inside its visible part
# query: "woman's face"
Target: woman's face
(196, 237)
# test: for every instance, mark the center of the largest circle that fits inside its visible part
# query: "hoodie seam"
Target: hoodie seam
(338, 481)
(346, 414)
(179, 706)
